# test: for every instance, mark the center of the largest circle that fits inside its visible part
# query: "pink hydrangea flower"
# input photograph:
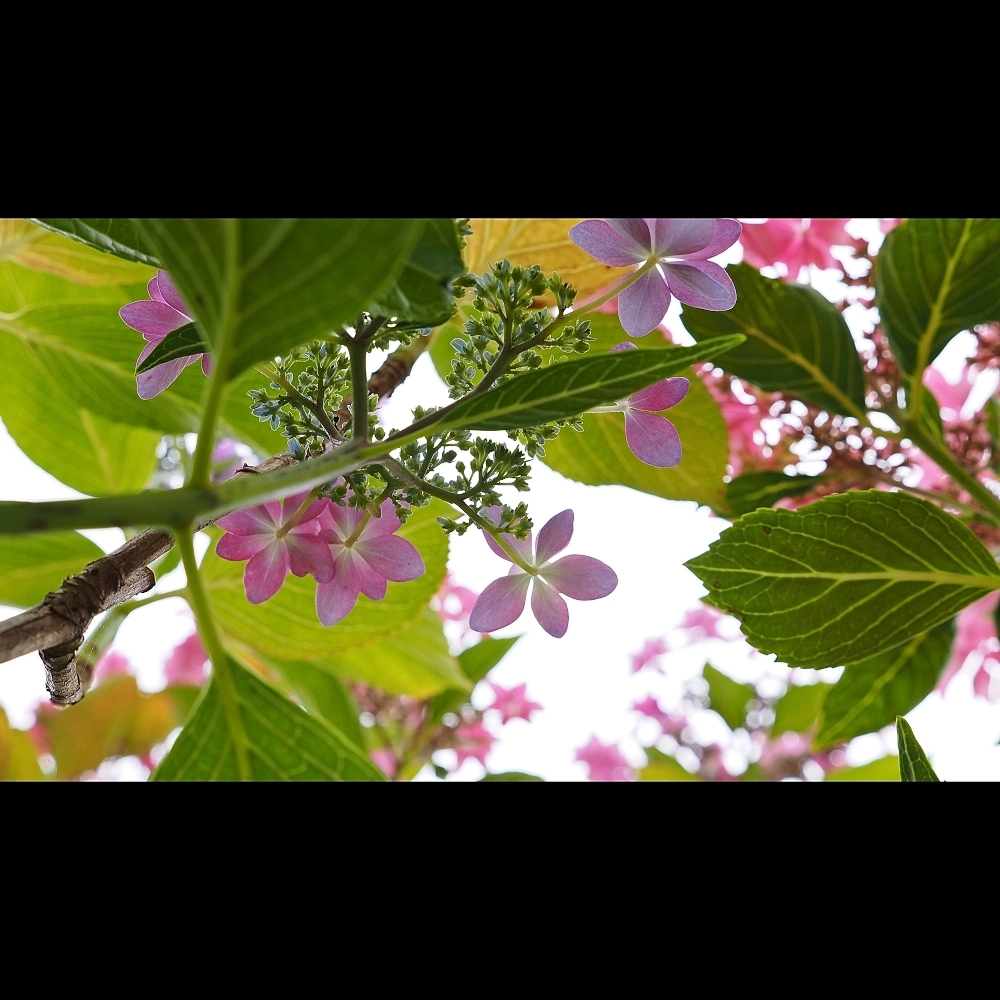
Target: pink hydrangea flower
(385, 759)
(605, 761)
(681, 247)
(975, 632)
(187, 663)
(794, 242)
(473, 740)
(111, 664)
(366, 554)
(581, 577)
(948, 396)
(154, 318)
(651, 438)
(267, 536)
(672, 725)
(649, 655)
(513, 703)
(701, 623)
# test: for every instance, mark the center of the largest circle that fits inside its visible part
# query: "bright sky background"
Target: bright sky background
(583, 680)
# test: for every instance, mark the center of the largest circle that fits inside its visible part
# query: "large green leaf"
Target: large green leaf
(873, 692)
(663, 767)
(283, 741)
(728, 697)
(270, 284)
(761, 489)
(286, 626)
(32, 565)
(422, 295)
(846, 577)
(180, 343)
(883, 769)
(796, 341)
(120, 237)
(478, 660)
(913, 762)
(935, 278)
(565, 390)
(798, 709)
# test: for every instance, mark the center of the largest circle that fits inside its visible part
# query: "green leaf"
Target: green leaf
(324, 695)
(873, 692)
(567, 389)
(913, 762)
(270, 284)
(284, 742)
(179, 343)
(846, 577)
(752, 490)
(511, 776)
(883, 769)
(286, 626)
(18, 756)
(478, 660)
(33, 565)
(728, 697)
(796, 341)
(798, 709)
(935, 278)
(120, 237)
(663, 767)
(422, 295)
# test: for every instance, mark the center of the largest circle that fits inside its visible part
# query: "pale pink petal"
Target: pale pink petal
(727, 232)
(603, 243)
(343, 520)
(153, 382)
(384, 525)
(549, 609)
(581, 577)
(500, 604)
(652, 439)
(642, 306)
(768, 242)
(261, 519)
(206, 363)
(336, 598)
(153, 287)
(829, 231)
(240, 547)
(309, 554)
(702, 284)
(156, 319)
(522, 547)
(168, 293)
(392, 557)
(554, 537)
(660, 395)
(677, 237)
(626, 345)
(290, 506)
(358, 575)
(946, 394)
(265, 573)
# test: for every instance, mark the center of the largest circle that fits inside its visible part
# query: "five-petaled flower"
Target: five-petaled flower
(366, 554)
(681, 249)
(581, 577)
(277, 537)
(513, 703)
(154, 318)
(605, 761)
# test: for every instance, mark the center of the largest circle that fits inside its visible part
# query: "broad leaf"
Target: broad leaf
(565, 390)
(935, 278)
(663, 767)
(32, 565)
(270, 284)
(18, 756)
(797, 711)
(913, 762)
(282, 741)
(324, 695)
(511, 776)
(728, 697)
(179, 343)
(120, 237)
(796, 341)
(422, 295)
(846, 577)
(752, 490)
(478, 660)
(873, 692)
(883, 769)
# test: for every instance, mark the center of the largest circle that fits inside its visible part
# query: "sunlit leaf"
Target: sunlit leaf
(121, 237)
(913, 762)
(33, 565)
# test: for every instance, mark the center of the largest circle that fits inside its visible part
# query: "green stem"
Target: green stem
(359, 390)
(222, 675)
(314, 408)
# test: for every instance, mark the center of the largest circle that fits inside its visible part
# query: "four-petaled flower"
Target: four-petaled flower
(276, 541)
(513, 703)
(581, 577)
(652, 438)
(187, 663)
(154, 318)
(794, 242)
(680, 247)
(366, 554)
(473, 740)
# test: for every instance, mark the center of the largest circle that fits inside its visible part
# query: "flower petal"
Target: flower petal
(239, 547)
(500, 604)
(156, 319)
(290, 505)
(153, 382)
(522, 547)
(554, 537)
(549, 609)
(384, 525)
(676, 237)
(335, 599)
(626, 345)
(727, 232)
(309, 554)
(637, 232)
(266, 572)
(642, 306)
(252, 520)
(392, 557)
(767, 242)
(602, 242)
(660, 395)
(343, 520)
(581, 577)
(206, 363)
(702, 284)
(652, 439)
(168, 293)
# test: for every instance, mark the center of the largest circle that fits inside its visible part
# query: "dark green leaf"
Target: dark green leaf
(883, 769)
(913, 762)
(565, 390)
(797, 710)
(267, 285)
(873, 692)
(118, 236)
(32, 565)
(935, 278)
(283, 741)
(762, 489)
(728, 697)
(796, 341)
(511, 776)
(324, 695)
(846, 577)
(180, 343)
(478, 660)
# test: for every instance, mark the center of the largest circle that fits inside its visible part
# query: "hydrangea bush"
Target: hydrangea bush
(862, 492)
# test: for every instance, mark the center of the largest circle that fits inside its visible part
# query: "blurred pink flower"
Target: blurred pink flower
(187, 663)
(473, 740)
(454, 603)
(701, 623)
(794, 242)
(649, 655)
(513, 703)
(672, 725)
(605, 761)
(975, 631)
(225, 451)
(385, 759)
(948, 396)
(111, 664)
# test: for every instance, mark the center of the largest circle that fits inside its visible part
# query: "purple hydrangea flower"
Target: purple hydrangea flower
(154, 318)
(581, 577)
(680, 246)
